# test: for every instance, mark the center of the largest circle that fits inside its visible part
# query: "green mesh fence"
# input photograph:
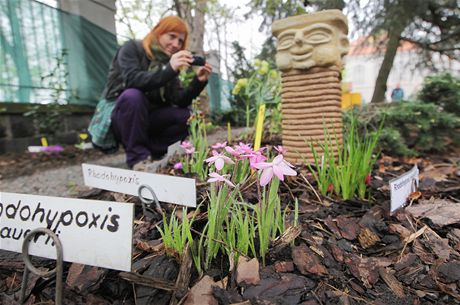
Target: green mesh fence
(219, 93)
(47, 55)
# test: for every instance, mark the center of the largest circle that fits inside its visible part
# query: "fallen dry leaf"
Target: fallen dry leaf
(247, 271)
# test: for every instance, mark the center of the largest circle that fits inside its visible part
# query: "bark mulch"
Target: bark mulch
(344, 252)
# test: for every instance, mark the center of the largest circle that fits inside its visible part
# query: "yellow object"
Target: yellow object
(351, 99)
(229, 133)
(83, 136)
(44, 141)
(259, 126)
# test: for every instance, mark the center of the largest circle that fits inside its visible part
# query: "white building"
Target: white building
(363, 62)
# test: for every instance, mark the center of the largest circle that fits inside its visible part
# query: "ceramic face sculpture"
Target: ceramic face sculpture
(306, 41)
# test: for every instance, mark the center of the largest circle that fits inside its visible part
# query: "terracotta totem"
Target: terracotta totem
(309, 55)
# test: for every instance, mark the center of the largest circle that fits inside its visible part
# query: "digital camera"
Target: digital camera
(198, 60)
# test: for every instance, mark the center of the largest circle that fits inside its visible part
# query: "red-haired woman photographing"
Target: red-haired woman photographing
(150, 111)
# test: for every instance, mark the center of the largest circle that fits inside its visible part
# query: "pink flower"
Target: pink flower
(178, 166)
(235, 153)
(256, 158)
(219, 145)
(219, 160)
(190, 151)
(244, 148)
(54, 149)
(278, 167)
(215, 177)
(280, 149)
(186, 145)
(330, 188)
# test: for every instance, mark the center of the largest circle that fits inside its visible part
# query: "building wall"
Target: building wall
(362, 70)
(99, 12)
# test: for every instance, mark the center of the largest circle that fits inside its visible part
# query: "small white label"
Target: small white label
(177, 190)
(92, 232)
(402, 186)
(34, 149)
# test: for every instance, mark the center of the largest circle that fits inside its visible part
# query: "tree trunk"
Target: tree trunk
(196, 22)
(387, 64)
(197, 35)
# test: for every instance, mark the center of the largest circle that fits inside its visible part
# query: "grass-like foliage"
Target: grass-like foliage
(220, 201)
(176, 234)
(234, 226)
(270, 220)
(196, 149)
(347, 173)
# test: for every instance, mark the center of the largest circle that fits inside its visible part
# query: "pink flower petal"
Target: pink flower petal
(219, 163)
(287, 171)
(263, 165)
(278, 171)
(266, 177)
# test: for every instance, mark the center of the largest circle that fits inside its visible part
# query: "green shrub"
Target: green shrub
(442, 90)
(410, 128)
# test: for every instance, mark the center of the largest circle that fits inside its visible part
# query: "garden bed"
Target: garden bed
(341, 252)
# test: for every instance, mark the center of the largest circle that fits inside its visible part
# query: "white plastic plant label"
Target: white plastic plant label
(92, 232)
(402, 186)
(177, 190)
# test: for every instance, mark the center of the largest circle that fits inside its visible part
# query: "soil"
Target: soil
(23, 164)
(346, 252)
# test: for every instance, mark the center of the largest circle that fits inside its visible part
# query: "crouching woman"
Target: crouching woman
(151, 106)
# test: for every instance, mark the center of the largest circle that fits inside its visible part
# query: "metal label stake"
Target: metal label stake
(145, 201)
(30, 267)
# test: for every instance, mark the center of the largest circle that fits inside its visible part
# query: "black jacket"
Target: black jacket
(129, 69)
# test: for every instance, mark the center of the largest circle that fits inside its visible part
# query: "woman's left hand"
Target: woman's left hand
(203, 72)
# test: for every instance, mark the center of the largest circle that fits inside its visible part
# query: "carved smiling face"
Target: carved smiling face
(318, 43)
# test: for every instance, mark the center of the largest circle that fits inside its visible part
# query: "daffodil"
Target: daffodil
(264, 67)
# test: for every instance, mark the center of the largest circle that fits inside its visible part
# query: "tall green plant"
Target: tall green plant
(346, 173)
(176, 234)
(262, 87)
(197, 149)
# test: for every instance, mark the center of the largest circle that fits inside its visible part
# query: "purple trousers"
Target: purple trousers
(144, 131)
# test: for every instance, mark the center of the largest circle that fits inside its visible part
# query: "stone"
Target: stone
(306, 41)
(309, 54)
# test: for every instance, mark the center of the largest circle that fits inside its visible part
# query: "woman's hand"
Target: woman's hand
(202, 73)
(180, 60)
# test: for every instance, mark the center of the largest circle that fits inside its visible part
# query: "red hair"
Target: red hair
(165, 25)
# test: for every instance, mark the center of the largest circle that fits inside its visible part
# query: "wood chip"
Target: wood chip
(367, 238)
(392, 282)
